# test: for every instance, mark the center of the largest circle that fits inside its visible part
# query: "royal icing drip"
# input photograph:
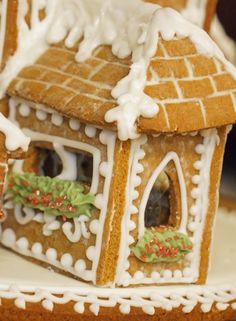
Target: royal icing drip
(14, 137)
(130, 27)
(68, 162)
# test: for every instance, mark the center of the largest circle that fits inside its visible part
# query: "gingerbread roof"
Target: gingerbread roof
(192, 91)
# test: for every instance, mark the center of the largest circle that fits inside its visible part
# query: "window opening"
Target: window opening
(47, 162)
(50, 163)
(84, 168)
(158, 208)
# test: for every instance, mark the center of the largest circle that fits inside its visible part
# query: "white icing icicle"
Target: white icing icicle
(14, 136)
(69, 171)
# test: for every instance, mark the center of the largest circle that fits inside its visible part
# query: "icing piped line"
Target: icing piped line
(216, 294)
(14, 137)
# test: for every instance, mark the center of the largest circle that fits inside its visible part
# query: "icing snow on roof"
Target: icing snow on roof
(14, 136)
(129, 27)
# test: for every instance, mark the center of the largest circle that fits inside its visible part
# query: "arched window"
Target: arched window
(164, 201)
(157, 210)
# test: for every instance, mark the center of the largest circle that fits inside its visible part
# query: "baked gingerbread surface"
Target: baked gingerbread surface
(128, 120)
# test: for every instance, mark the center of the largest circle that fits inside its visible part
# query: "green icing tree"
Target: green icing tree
(51, 195)
(163, 245)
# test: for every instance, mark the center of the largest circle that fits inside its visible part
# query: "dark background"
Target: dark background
(226, 11)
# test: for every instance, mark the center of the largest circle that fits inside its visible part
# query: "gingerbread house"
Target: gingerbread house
(128, 126)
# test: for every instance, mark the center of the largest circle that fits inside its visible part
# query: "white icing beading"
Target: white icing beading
(190, 273)
(79, 227)
(219, 293)
(171, 156)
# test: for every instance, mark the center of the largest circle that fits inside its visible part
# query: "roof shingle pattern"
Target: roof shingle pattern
(193, 91)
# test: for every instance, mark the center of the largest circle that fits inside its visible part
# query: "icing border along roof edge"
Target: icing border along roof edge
(129, 27)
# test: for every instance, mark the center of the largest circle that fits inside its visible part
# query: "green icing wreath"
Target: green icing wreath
(52, 195)
(163, 245)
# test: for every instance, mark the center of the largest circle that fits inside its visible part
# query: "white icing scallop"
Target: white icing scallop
(8, 237)
(37, 248)
(80, 266)
(178, 274)
(138, 275)
(79, 307)
(41, 114)
(57, 119)
(197, 165)
(48, 305)
(222, 306)
(200, 149)
(90, 131)
(66, 260)
(103, 168)
(22, 243)
(51, 254)
(196, 179)
(131, 225)
(90, 253)
(98, 201)
(193, 134)
(155, 276)
(24, 110)
(94, 226)
(148, 309)
(74, 124)
(195, 193)
(125, 308)
(167, 274)
(20, 303)
(94, 308)
(206, 307)
(194, 210)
